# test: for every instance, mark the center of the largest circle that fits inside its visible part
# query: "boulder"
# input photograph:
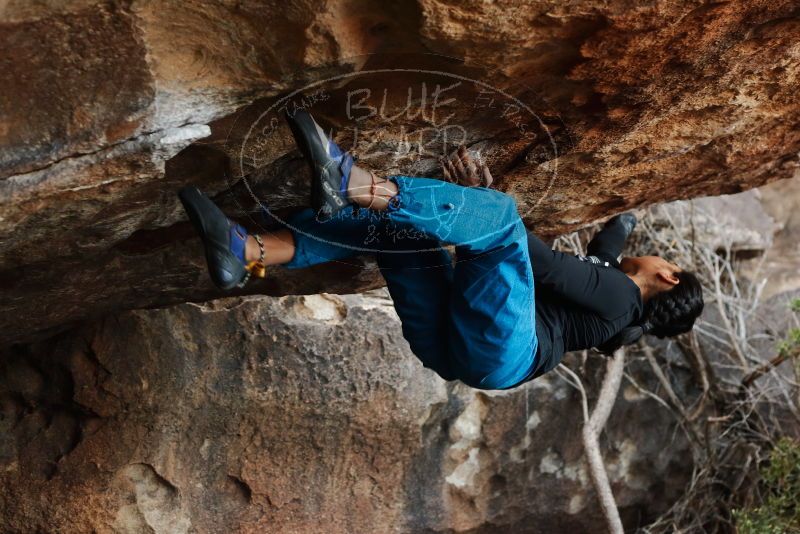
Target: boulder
(305, 414)
(581, 109)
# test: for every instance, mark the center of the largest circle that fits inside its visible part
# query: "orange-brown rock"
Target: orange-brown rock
(108, 107)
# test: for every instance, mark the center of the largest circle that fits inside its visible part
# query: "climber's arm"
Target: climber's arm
(607, 244)
(600, 290)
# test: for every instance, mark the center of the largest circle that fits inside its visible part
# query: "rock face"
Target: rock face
(781, 200)
(304, 414)
(582, 109)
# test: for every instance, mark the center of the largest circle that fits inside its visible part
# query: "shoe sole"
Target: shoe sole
(198, 207)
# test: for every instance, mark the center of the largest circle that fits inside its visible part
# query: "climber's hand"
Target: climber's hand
(627, 220)
(461, 168)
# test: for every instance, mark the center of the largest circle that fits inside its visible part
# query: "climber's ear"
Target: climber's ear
(667, 277)
(666, 273)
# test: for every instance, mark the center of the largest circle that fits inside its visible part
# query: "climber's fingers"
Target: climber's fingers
(451, 169)
(461, 172)
(469, 165)
(460, 167)
(487, 176)
(445, 163)
(449, 161)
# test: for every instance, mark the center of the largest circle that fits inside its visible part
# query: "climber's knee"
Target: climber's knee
(507, 226)
(508, 209)
(501, 376)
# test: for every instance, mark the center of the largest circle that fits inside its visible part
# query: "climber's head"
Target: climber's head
(653, 274)
(673, 300)
(673, 297)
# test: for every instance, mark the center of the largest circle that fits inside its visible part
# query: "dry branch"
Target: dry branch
(593, 426)
(766, 367)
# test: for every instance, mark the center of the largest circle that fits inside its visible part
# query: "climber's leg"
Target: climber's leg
(418, 275)
(367, 191)
(476, 219)
(418, 272)
(492, 332)
(278, 247)
(348, 233)
(492, 339)
(493, 325)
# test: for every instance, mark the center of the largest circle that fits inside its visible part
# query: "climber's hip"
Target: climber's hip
(492, 336)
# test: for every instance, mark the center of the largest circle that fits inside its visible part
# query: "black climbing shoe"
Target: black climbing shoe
(330, 166)
(223, 239)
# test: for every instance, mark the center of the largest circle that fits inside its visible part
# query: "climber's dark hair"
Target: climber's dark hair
(667, 314)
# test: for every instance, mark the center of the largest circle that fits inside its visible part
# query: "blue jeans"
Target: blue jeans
(473, 321)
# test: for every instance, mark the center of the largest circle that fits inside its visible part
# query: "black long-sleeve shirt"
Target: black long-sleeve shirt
(581, 301)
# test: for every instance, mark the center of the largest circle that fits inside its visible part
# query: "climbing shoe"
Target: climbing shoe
(330, 166)
(223, 239)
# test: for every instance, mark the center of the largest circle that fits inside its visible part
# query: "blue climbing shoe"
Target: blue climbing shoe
(223, 239)
(330, 166)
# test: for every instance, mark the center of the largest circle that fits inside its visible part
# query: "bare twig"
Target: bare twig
(593, 425)
(573, 380)
(766, 367)
(591, 431)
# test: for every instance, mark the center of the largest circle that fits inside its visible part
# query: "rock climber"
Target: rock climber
(505, 311)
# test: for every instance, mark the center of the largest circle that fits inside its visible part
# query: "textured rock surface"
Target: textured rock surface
(303, 414)
(781, 201)
(107, 107)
